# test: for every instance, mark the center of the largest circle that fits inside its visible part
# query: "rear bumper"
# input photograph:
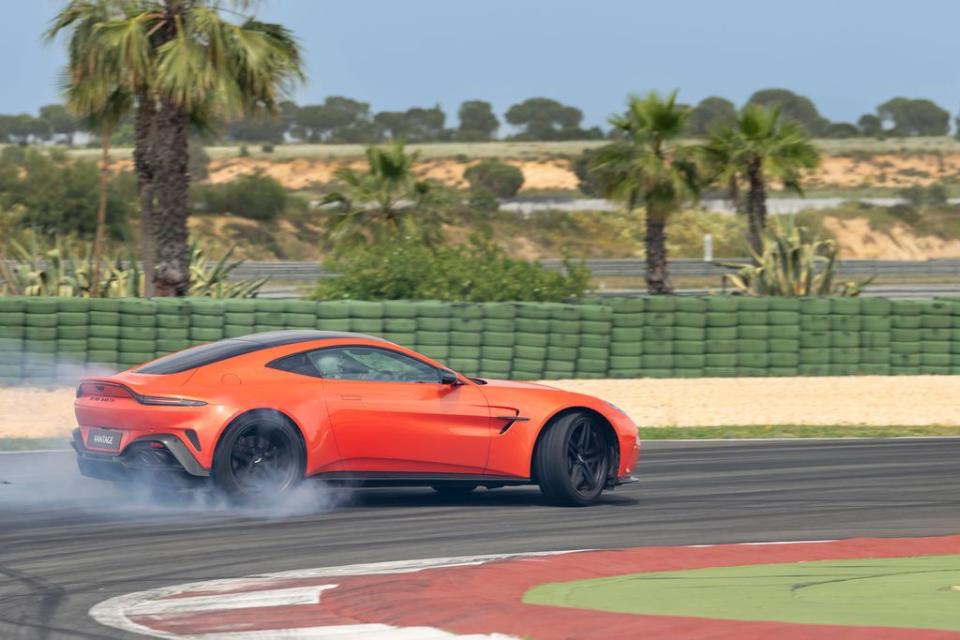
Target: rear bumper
(155, 454)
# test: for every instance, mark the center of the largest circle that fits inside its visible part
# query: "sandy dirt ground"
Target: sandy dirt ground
(881, 170)
(876, 401)
(859, 241)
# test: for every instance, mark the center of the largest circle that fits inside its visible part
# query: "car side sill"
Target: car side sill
(385, 478)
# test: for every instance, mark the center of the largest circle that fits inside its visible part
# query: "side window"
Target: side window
(359, 363)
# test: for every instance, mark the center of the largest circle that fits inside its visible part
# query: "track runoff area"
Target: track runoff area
(905, 589)
(897, 588)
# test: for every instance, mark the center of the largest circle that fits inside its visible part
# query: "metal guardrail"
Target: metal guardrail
(289, 271)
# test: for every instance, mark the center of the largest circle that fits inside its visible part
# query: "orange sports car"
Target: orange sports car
(257, 414)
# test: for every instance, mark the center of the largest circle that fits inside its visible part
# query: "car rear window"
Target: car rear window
(200, 356)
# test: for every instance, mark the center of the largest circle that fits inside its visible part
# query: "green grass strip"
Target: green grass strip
(920, 592)
(796, 431)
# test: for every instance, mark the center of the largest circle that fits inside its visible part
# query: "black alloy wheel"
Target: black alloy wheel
(572, 460)
(260, 457)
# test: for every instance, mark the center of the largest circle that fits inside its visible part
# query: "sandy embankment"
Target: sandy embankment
(875, 401)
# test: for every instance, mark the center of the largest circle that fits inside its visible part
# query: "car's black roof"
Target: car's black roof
(231, 347)
(292, 336)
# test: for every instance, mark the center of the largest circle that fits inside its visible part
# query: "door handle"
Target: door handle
(351, 398)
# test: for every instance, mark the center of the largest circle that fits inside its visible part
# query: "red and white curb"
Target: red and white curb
(482, 597)
(153, 612)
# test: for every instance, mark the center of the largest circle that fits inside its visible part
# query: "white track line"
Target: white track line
(347, 632)
(226, 602)
(116, 612)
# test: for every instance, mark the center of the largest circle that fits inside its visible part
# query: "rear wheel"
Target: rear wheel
(259, 458)
(572, 461)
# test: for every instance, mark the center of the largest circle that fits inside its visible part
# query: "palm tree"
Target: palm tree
(758, 148)
(182, 64)
(387, 201)
(643, 168)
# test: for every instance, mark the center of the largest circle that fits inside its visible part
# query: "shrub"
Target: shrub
(267, 148)
(499, 178)
(198, 162)
(592, 181)
(244, 152)
(63, 197)
(13, 153)
(918, 196)
(483, 200)
(477, 272)
(208, 198)
(256, 196)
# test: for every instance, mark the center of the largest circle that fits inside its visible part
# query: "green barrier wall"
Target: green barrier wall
(46, 340)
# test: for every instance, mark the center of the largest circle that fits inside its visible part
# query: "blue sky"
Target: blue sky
(847, 55)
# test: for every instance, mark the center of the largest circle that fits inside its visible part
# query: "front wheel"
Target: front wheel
(572, 461)
(260, 457)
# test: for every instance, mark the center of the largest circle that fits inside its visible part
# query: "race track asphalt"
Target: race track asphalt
(67, 543)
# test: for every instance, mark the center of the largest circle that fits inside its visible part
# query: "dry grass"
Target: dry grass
(510, 149)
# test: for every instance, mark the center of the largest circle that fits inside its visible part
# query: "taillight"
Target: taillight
(103, 390)
(112, 390)
(170, 402)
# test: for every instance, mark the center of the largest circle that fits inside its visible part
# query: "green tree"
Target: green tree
(424, 125)
(477, 121)
(60, 120)
(909, 117)
(337, 119)
(63, 197)
(840, 130)
(391, 124)
(870, 124)
(181, 63)
(761, 147)
(799, 109)
(23, 129)
(545, 119)
(644, 167)
(413, 125)
(257, 127)
(385, 202)
(709, 114)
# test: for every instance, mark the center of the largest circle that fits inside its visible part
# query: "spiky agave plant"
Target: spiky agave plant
(62, 267)
(209, 278)
(33, 267)
(792, 263)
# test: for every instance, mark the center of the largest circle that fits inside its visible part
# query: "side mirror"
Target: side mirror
(448, 377)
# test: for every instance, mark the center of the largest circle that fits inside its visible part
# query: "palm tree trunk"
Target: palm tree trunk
(171, 187)
(101, 211)
(756, 205)
(733, 194)
(142, 156)
(658, 280)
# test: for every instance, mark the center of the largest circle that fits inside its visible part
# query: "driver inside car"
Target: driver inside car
(329, 366)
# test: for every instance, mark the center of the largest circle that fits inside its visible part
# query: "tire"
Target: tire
(454, 491)
(260, 458)
(572, 461)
